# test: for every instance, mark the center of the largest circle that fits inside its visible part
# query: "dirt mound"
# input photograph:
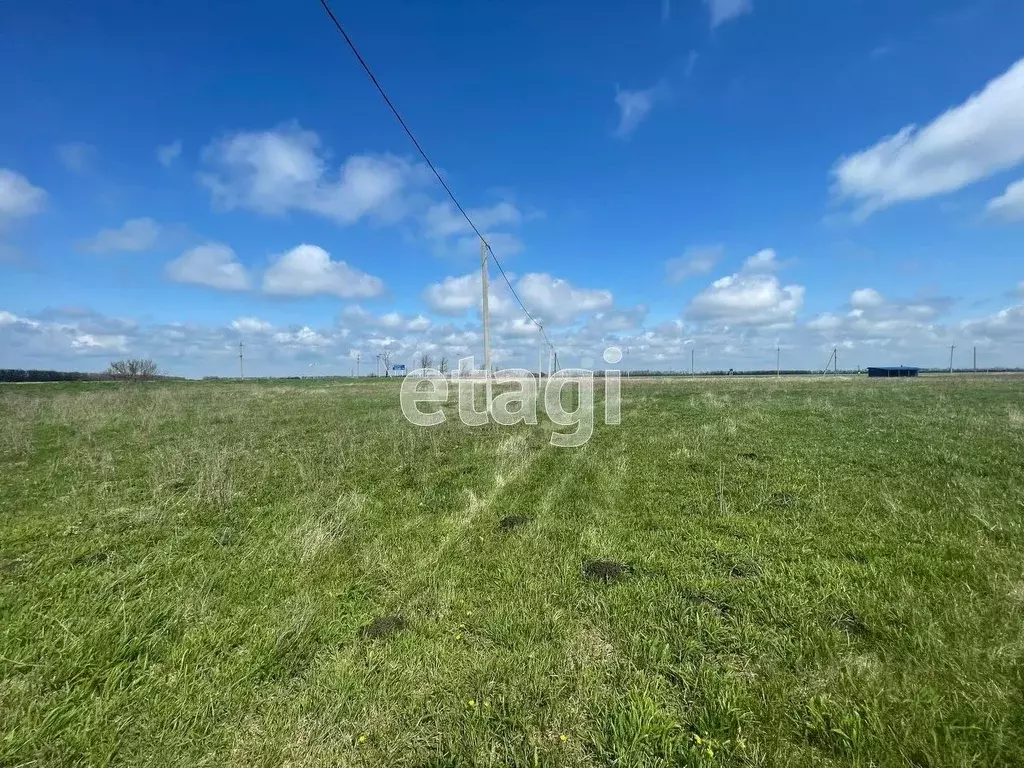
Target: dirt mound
(385, 626)
(606, 570)
(512, 521)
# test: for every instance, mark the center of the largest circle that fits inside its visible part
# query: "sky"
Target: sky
(705, 181)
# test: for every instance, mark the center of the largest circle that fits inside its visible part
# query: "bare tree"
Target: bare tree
(426, 361)
(134, 369)
(442, 365)
(385, 358)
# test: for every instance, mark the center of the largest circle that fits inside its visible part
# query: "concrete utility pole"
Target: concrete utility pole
(691, 361)
(359, 356)
(487, 323)
(540, 353)
(975, 359)
(551, 362)
(241, 368)
(951, 348)
(377, 368)
(836, 353)
(778, 362)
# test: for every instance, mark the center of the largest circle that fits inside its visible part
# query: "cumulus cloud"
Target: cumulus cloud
(458, 295)
(969, 142)
(869, 328)
(549, 299)
(556, 300)
(864, 298)
(355, 316)
(77, 156)
(747, 299)
(303, 337)
(763, 261)
(167, 154)
(134, 236)
(874, 321)
(18, 197)
(698, 260)
(211, 264)
(635, 106)
(251, 325)
(277, 171)
(443, 220)
(307, 270)
(721, 11)
(452, 234)
(1009, 205)
(103, 343)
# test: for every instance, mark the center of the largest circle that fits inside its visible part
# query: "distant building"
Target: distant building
(888, 371)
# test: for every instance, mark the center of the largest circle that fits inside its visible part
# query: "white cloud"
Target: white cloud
(458, 295)
(502, 243)
(1006, 325)
(747, 298)
(550, 299)
(695, 261)
(303, 337)
(273, 172)
(77, 156)
(418, 324)
(556, 300)
(307, 270)
(969, 142)
(168, 153)
(9, 318)
(211, 264)
(722, 11)
(88, 341)
(864, 298)
(635, 106)
(134, 236)
(18, 197)
(762, 261)
(251, 325)
(443, 220)
(1010, 204)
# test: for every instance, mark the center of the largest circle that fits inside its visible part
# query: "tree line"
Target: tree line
(132, 369)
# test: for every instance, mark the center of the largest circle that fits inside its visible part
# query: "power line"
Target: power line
(430, 164)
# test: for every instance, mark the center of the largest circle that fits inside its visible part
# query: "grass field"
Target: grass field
(822, 572)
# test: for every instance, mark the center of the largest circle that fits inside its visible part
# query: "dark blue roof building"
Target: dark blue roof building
(887, 371)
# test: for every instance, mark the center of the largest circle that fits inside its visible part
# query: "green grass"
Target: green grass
(824, 572)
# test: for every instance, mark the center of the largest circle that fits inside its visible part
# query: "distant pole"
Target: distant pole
(975, 359)
(691, 361)
(487, 324)
(835, 368)
(829, 362)
(551, 361)
(377, 367)
(241, 368)
(358, 356)
(778, 362)
(951, 348)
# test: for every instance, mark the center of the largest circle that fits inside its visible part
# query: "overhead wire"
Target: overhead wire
(430, 164)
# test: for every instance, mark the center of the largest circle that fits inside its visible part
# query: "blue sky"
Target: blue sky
(726, 176)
